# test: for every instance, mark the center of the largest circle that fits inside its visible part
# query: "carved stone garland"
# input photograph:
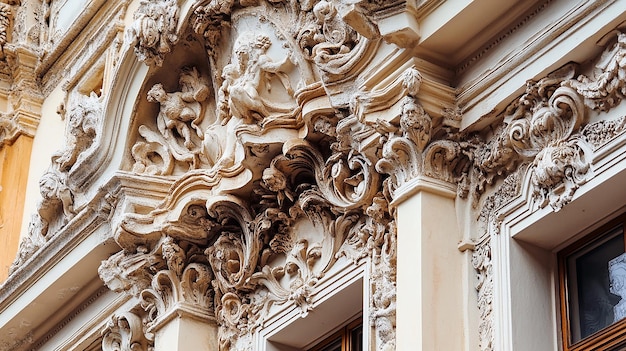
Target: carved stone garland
(542, 133)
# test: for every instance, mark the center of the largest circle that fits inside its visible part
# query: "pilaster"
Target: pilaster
(429, 280)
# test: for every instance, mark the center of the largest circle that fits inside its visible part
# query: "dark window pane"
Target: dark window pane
(334, 345)
(591, 302)
(356, 336)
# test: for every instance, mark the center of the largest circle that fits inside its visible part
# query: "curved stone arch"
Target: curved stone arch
(118, 109)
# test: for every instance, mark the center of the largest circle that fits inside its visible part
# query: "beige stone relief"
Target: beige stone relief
(57, 205)
(252, 158)
(153, 32)
(545, 133)
(241, 249)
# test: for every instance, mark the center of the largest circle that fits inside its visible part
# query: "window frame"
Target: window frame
(344, 332)
(609, 337)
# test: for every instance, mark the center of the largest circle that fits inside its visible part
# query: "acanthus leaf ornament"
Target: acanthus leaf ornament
(124, 332)
(541, 128)
(544, 139)
(419, 145)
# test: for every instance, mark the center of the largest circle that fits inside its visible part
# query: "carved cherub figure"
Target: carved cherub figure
(246, 75)
(181, 110)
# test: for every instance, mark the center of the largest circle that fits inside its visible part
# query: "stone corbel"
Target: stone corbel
(395, 22)
(418, 145)
(172, 281)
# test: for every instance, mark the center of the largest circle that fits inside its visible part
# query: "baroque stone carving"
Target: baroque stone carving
(240, 93)
(153, 32)
(326, 39)
(5, 23)
(244, 240)
(57, 205)
(10, 129)
(383, 281)
(323, 175)
(600, 133)
(124, 332)
(419, 145)
(540, 129)
(481, 261)
(606, 88)
(179, 137)
(543, 134)
(83, 122)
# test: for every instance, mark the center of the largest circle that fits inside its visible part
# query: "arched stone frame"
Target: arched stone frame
(136, 233)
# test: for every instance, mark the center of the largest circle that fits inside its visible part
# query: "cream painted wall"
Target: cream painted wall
(48, 139)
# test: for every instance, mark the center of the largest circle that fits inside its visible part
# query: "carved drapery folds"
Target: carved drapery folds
(153, 32)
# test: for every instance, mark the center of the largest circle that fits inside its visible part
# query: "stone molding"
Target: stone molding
(545, 140)
(222, 239)
(340, 173)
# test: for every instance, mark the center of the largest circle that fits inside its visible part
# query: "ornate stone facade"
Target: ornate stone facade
(228, 168)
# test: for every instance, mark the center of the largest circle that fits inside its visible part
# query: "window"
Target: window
(349, 338)
(592, 274)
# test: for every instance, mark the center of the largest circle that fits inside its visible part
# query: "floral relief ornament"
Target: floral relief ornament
(153, 32)
(542, 131)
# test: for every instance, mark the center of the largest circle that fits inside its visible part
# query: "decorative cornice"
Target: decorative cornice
(501, 37)
(77, 311)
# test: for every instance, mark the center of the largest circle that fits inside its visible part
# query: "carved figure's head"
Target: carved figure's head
(49, 185)
(157, 93)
